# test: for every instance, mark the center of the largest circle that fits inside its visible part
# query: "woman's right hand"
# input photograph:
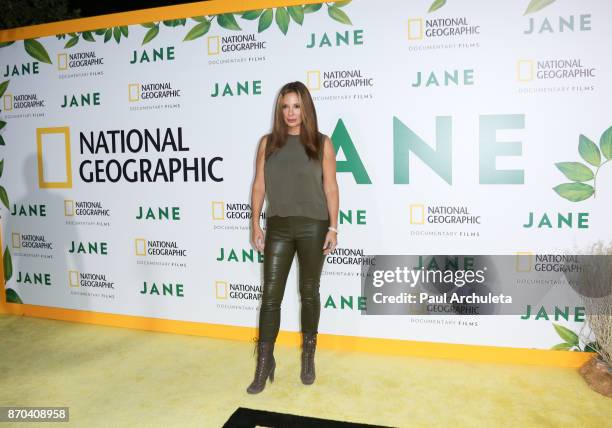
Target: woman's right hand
(257, 236)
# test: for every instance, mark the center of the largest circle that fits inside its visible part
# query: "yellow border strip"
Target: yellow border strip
(496, 354)
(188, 10)
(363, 344)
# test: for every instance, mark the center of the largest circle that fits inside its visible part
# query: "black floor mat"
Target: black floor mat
(250, 418)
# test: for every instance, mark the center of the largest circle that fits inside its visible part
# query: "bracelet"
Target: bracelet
(333, 229)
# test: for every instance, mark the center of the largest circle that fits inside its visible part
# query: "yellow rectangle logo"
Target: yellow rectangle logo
(68, 207)
(73, 278)
(313, 80)
(214, 45)
(141, 247)
(56, 135)
(525, 70)
(8, 102)
(415, 29)
(417, 214)
(221, 290)
(218, 212)
(16, 240)
(133, 92)
(62, 61)
(524, 261)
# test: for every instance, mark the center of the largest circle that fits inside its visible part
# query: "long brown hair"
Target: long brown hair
(309, 129)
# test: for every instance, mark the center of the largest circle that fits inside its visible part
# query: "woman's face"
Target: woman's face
(292, 112)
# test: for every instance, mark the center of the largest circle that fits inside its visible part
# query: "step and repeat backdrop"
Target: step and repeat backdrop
(461, 127)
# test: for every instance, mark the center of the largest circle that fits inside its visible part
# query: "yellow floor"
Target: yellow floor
(128, 378)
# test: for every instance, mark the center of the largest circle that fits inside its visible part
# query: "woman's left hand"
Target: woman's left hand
(331, 240)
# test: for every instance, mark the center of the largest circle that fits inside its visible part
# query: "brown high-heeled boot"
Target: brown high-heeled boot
(265, 367)
(309, 345)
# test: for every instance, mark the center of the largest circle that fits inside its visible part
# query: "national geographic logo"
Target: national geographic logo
(442, 33)
(30, 241)
(228, 49)
(78, 60)
(78, 279)
(340, 81)
(225, 290)
(527, 261)
(74, 208)
(54, 158)
(441, 215)
(145, 247)
(337, 79)
(152, 91)
(563, 75)
(232, 215)
(348, 257)
(238, 43)
(22, 102)
(528, 70)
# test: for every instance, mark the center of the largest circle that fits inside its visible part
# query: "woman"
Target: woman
(296, 170)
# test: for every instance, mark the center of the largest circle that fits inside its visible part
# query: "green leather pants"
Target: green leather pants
(285, 236)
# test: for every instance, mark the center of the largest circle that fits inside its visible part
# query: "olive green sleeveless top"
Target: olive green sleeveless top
(294, 183)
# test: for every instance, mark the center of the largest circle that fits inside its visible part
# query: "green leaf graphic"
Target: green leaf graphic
(296, 13)
(198, 31)
(265, 20)
(8, 264)
(574, 192)
(88, 36)
(562, 346)
(199, 18)
(575, 171)
(566, 334)
(252, 14)
(124, 30)
(3, 87)
(228, 22)
(339, 15)
(589, 151)
(153, 31)
(282, 19)
(4, 197)
(2, 123)
(117, 34)
(591, 347)
(100, 32)
(12, 296)
(605, 143)
(36, 50)
(311, 8)
(3, 44)
(1, 167)
(437, 4)
(1, 141)
(535, 5)
(70, 43)
(343, 3)
(108, 35)
(148, 25)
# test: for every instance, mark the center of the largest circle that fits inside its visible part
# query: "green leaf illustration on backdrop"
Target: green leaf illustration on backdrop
(36, 50)
(535, 5)
(580, 173)
(7, 261)
(437, 4)
(571, 341)
(282, 19)
(90, 35)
